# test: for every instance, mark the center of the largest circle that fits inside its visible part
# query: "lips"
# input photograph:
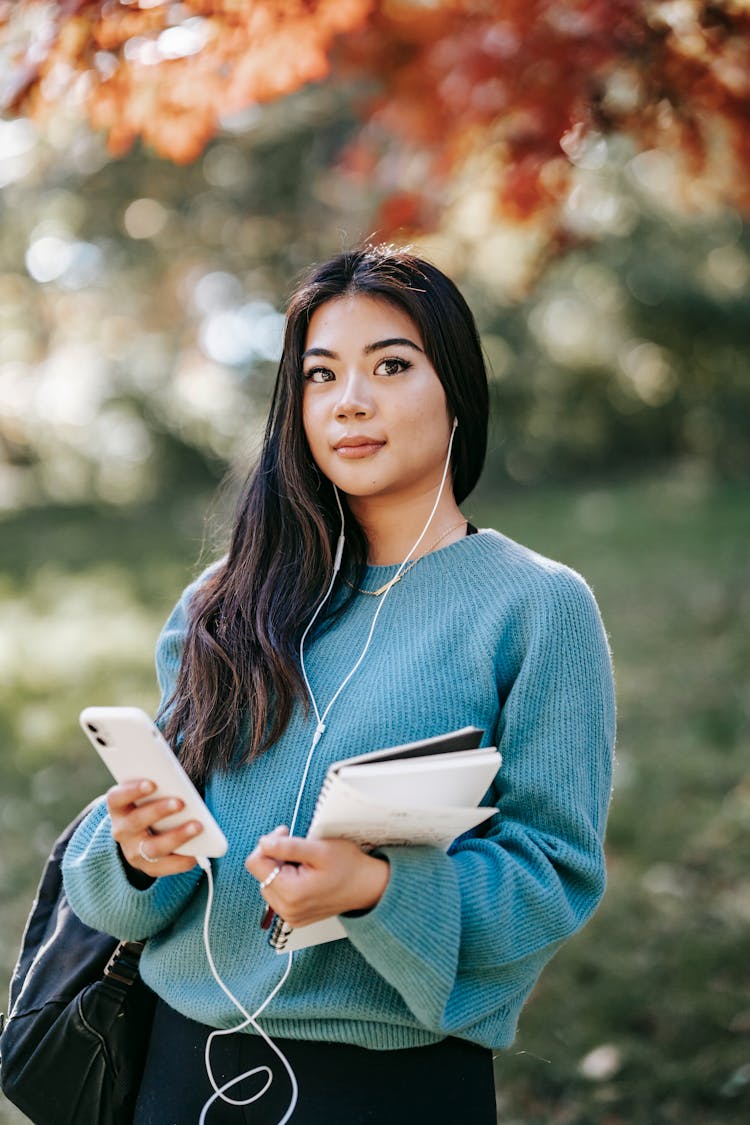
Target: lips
(357, 445)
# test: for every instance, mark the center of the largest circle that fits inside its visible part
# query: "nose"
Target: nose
(354, 400)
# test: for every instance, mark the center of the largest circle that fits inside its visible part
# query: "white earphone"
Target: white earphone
(220, 1092)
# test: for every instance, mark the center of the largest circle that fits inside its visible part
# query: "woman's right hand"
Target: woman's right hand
(132, 828)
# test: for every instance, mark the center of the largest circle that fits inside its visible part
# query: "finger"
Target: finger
(291, 849)
(141, 818)
(122, 796)
(167, 865)
(266, 843)
(156, 854)
(259, 866)
(162, 844)
(276, 833)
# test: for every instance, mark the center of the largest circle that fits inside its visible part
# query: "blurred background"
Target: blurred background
(581, 170)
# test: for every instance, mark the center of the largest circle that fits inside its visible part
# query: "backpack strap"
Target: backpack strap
(122, 968)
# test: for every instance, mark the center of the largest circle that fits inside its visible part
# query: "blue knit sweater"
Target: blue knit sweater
(482, 632)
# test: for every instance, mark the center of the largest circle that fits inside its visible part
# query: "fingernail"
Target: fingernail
(146, 787)
(173, 804)
(193, 829)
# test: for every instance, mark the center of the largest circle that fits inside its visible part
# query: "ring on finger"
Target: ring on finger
(142, 854)
(269, 878)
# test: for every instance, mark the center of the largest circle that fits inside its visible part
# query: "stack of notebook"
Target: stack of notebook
(424, 792)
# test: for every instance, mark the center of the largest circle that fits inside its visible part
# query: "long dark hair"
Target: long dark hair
(239, 677)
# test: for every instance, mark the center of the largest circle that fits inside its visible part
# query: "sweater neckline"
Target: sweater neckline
(379, 573)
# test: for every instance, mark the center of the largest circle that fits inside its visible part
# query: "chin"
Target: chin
(362, 491)
(357, 483)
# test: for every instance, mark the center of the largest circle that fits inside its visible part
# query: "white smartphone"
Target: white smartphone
(132, 746)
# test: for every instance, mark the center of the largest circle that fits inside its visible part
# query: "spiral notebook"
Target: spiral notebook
(424, 792)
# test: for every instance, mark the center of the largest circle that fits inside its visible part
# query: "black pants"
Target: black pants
(448, 1083)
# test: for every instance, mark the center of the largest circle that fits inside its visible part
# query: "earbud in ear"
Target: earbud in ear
(455, 423)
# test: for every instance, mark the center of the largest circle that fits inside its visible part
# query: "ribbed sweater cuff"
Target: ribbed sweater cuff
(99, 892)
(411, 946)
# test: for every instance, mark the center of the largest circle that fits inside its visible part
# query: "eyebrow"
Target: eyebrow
(378, 346)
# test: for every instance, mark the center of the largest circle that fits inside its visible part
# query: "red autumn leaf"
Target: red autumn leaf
(525, 83)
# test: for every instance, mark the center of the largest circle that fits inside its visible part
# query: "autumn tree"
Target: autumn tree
(509, 98)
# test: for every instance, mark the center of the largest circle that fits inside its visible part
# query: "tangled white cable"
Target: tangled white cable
(220, 1091)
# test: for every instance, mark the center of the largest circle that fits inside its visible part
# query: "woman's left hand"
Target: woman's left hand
(317, 878)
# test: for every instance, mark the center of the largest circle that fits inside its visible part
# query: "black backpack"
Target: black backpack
(73, 1047)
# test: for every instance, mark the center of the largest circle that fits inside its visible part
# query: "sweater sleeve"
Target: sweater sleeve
(465, 934)
(94, 874)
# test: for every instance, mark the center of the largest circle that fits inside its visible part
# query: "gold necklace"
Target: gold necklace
(398, 577)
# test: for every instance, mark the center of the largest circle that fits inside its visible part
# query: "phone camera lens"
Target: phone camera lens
(92, 728)
(101, 741)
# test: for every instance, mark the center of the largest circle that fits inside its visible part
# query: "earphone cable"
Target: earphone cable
(322, 718)
(220, 1091)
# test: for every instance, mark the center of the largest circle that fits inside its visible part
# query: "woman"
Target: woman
(380, 407)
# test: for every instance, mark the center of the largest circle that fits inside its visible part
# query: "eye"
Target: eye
(318, 375)
(392, 366)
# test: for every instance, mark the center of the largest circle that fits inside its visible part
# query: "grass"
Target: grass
(655, 984)
(643, 1018)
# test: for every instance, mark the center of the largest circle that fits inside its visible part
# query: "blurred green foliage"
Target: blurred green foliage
(644, 1019)
(629, 354)
(140, 312)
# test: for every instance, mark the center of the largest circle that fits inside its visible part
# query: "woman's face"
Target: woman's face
(374, 411)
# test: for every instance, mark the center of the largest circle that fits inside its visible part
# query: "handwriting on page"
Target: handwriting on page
(345, 813)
